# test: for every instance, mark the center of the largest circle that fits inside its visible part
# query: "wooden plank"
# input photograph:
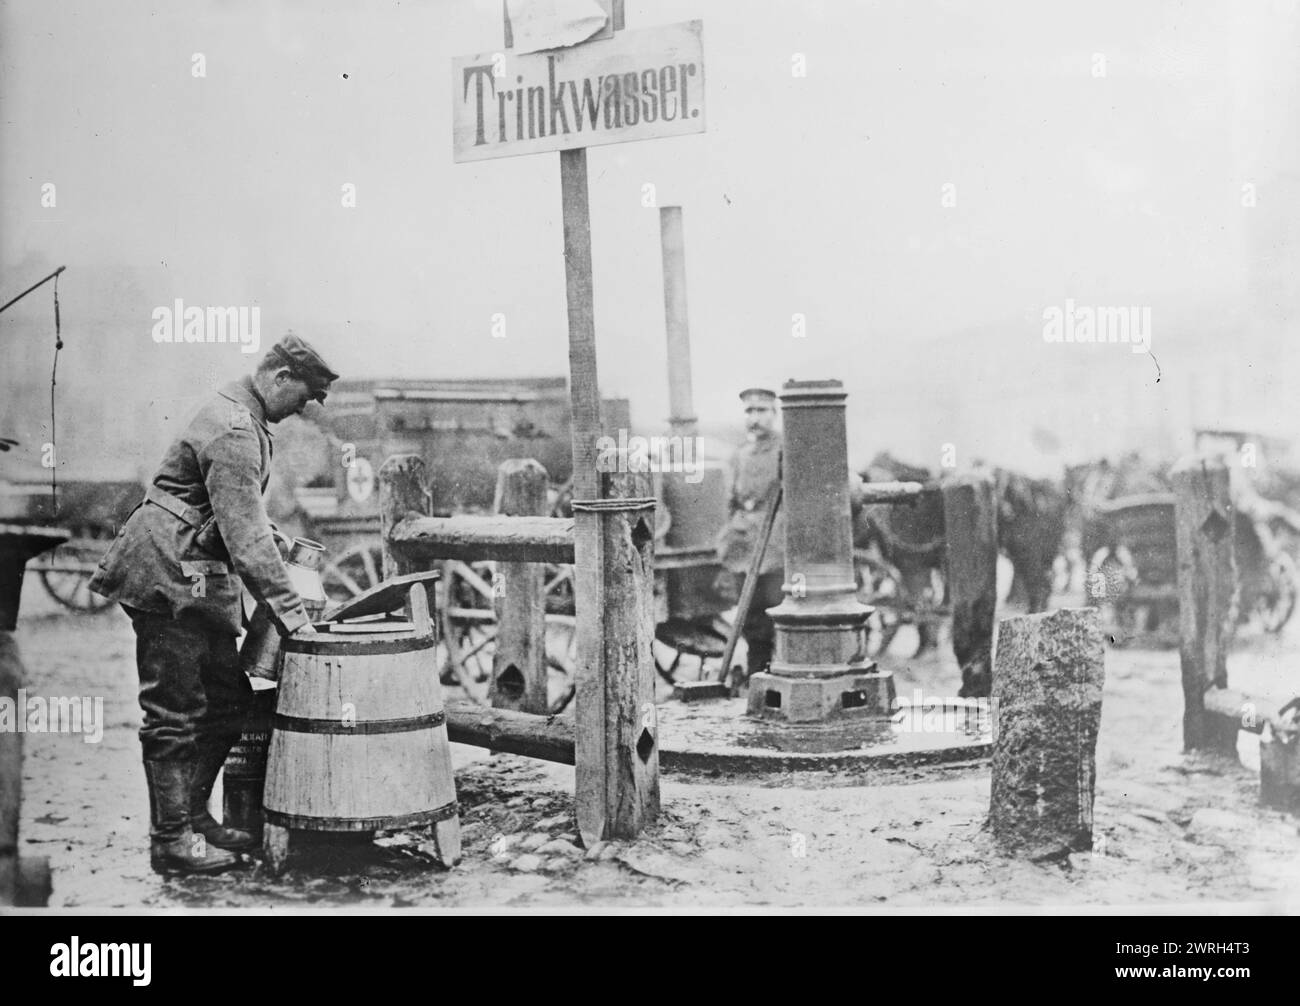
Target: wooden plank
(970, 521)
(1238, 710)
(1204, 516)
(384, 597)
(472, 537)
(519, 659)
(550, 738)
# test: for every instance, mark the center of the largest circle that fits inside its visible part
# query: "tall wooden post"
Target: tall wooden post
(628, 724)
(970, 522)
(1207, 575)
(610, 803)
(519, 660)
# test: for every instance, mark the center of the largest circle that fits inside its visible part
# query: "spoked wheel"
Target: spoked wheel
(1277, 602)
(66, 570)
(688, 649)
(880, 585)
(470, 630)
(355, 571)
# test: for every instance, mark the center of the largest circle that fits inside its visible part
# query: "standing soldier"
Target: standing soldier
(755, 474)
(176, 568)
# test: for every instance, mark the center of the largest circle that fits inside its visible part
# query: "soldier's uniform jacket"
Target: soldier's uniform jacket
(755, 470)
(203, 527)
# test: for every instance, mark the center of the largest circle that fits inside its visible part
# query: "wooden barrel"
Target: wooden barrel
(359, 739)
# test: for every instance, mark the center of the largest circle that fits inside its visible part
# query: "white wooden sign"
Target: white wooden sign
(638, 85)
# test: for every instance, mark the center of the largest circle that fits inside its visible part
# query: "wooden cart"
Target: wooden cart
(1133, 572)
(464, 430)
(92, 512)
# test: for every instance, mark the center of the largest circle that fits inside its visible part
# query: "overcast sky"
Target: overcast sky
(817, 195)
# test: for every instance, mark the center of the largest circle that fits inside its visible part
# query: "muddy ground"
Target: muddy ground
(1173, 830)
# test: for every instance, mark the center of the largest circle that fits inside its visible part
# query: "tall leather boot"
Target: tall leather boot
(174, 846)
(212, 753)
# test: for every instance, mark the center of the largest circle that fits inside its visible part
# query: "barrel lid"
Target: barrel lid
(360, 639)
(367, 627)
(381, 599)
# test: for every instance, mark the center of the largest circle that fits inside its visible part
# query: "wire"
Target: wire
(58, 345)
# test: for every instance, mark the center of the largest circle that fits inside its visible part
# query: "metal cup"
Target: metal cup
(303, 567)
(306, 553)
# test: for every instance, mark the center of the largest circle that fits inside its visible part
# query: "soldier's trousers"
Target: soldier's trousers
(191, 688)
(758, 631)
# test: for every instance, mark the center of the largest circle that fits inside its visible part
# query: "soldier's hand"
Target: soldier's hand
(282, 542)
(306, 630)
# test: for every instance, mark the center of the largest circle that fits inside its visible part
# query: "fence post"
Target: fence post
(519, 661)
(1046, 710)
(401, 492)
(1204, 523)
(971, 528)
(616, 730)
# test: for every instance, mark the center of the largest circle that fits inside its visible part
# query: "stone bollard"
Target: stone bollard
(1047, 688)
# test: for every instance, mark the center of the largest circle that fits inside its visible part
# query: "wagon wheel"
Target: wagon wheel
(355, 571)
(470, 628)
(703, 639)
(1276, 603)
(884, 594)
(66, 570)
(881, 586)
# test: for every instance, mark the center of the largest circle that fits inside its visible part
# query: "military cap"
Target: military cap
(758, 396)
(296, 353)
